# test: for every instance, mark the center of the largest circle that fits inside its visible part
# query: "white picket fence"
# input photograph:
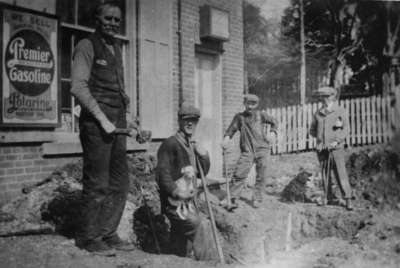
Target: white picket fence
(371, 121)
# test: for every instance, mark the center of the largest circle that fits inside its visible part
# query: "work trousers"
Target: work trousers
(335, 167)
(105, 176)
(194, 233)
(246, 160)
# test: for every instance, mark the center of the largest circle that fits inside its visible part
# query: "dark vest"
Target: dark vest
(106, 81)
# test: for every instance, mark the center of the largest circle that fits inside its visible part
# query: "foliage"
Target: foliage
(267, 59)
(347, 38)
(350, 44)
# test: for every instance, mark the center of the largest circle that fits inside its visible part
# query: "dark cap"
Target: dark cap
(188, 111)
(250, 97)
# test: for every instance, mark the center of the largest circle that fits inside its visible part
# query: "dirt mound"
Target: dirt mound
(374, 176)
(54, 203)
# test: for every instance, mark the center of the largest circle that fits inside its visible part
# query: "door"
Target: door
(208, 99)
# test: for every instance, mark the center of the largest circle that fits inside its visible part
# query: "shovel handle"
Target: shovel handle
(210, 212)
(122, 131)
(228, 192)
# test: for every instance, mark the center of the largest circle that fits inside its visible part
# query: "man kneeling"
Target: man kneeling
(177, 174)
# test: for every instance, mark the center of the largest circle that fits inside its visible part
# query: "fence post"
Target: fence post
(373, 116)
(397, 108)
(285, 129)
(379, 120)
(304, 123)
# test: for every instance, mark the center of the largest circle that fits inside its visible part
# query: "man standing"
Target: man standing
(176, 155)
(98, 84)
(254, 147)
(330, 127)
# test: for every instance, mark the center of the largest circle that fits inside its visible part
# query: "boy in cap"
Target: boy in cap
(330, 126)
(176, 154)
(254, 147)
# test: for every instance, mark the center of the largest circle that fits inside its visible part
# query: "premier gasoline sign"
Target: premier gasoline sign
(30, 81)
(29, 63)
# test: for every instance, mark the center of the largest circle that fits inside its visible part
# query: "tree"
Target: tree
(267, 59)
(338, 40)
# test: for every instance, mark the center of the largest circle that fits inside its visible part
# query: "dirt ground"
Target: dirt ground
(278, 234)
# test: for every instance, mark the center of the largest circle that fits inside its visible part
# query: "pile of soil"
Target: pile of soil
(375, 177)
(53, 205)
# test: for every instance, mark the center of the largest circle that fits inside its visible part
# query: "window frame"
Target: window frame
(128, 57)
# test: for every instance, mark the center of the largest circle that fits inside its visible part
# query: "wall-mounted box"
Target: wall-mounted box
(214, 23)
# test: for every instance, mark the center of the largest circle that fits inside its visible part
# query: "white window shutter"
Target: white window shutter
(155, 66)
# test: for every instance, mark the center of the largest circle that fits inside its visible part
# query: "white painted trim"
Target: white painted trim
(90, 30)
(62, 148)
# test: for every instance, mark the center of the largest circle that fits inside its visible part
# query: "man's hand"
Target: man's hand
(132, 132)
(188, 172)
(225, 143)
(185, 195)
(320, 147)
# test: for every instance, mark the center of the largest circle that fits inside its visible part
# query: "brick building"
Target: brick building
(174, 51)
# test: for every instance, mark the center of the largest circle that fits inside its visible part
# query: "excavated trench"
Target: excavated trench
(253, 236)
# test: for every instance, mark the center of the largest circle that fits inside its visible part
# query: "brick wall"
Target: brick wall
(232, 59)
(24, 165)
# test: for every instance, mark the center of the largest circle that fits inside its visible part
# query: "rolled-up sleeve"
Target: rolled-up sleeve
(233, 127)
(270, 120)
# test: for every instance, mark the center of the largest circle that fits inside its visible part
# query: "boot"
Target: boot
(97, 247)
(115, 242)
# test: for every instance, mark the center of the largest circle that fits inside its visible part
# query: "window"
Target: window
(77, 22)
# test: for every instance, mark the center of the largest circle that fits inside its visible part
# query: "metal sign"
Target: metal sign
(30, 80)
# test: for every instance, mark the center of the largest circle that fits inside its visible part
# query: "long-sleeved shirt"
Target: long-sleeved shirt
(330, 126)
(80, 73)
(251, 125)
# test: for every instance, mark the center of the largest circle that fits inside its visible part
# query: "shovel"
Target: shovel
(228, 192)
(210, 212)
(123, 131)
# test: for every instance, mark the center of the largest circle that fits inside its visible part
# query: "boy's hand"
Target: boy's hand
(333, 145)
(272, 136)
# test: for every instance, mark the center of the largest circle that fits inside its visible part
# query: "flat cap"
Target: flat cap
(250, 97)
(326, 91)
(188, 111)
